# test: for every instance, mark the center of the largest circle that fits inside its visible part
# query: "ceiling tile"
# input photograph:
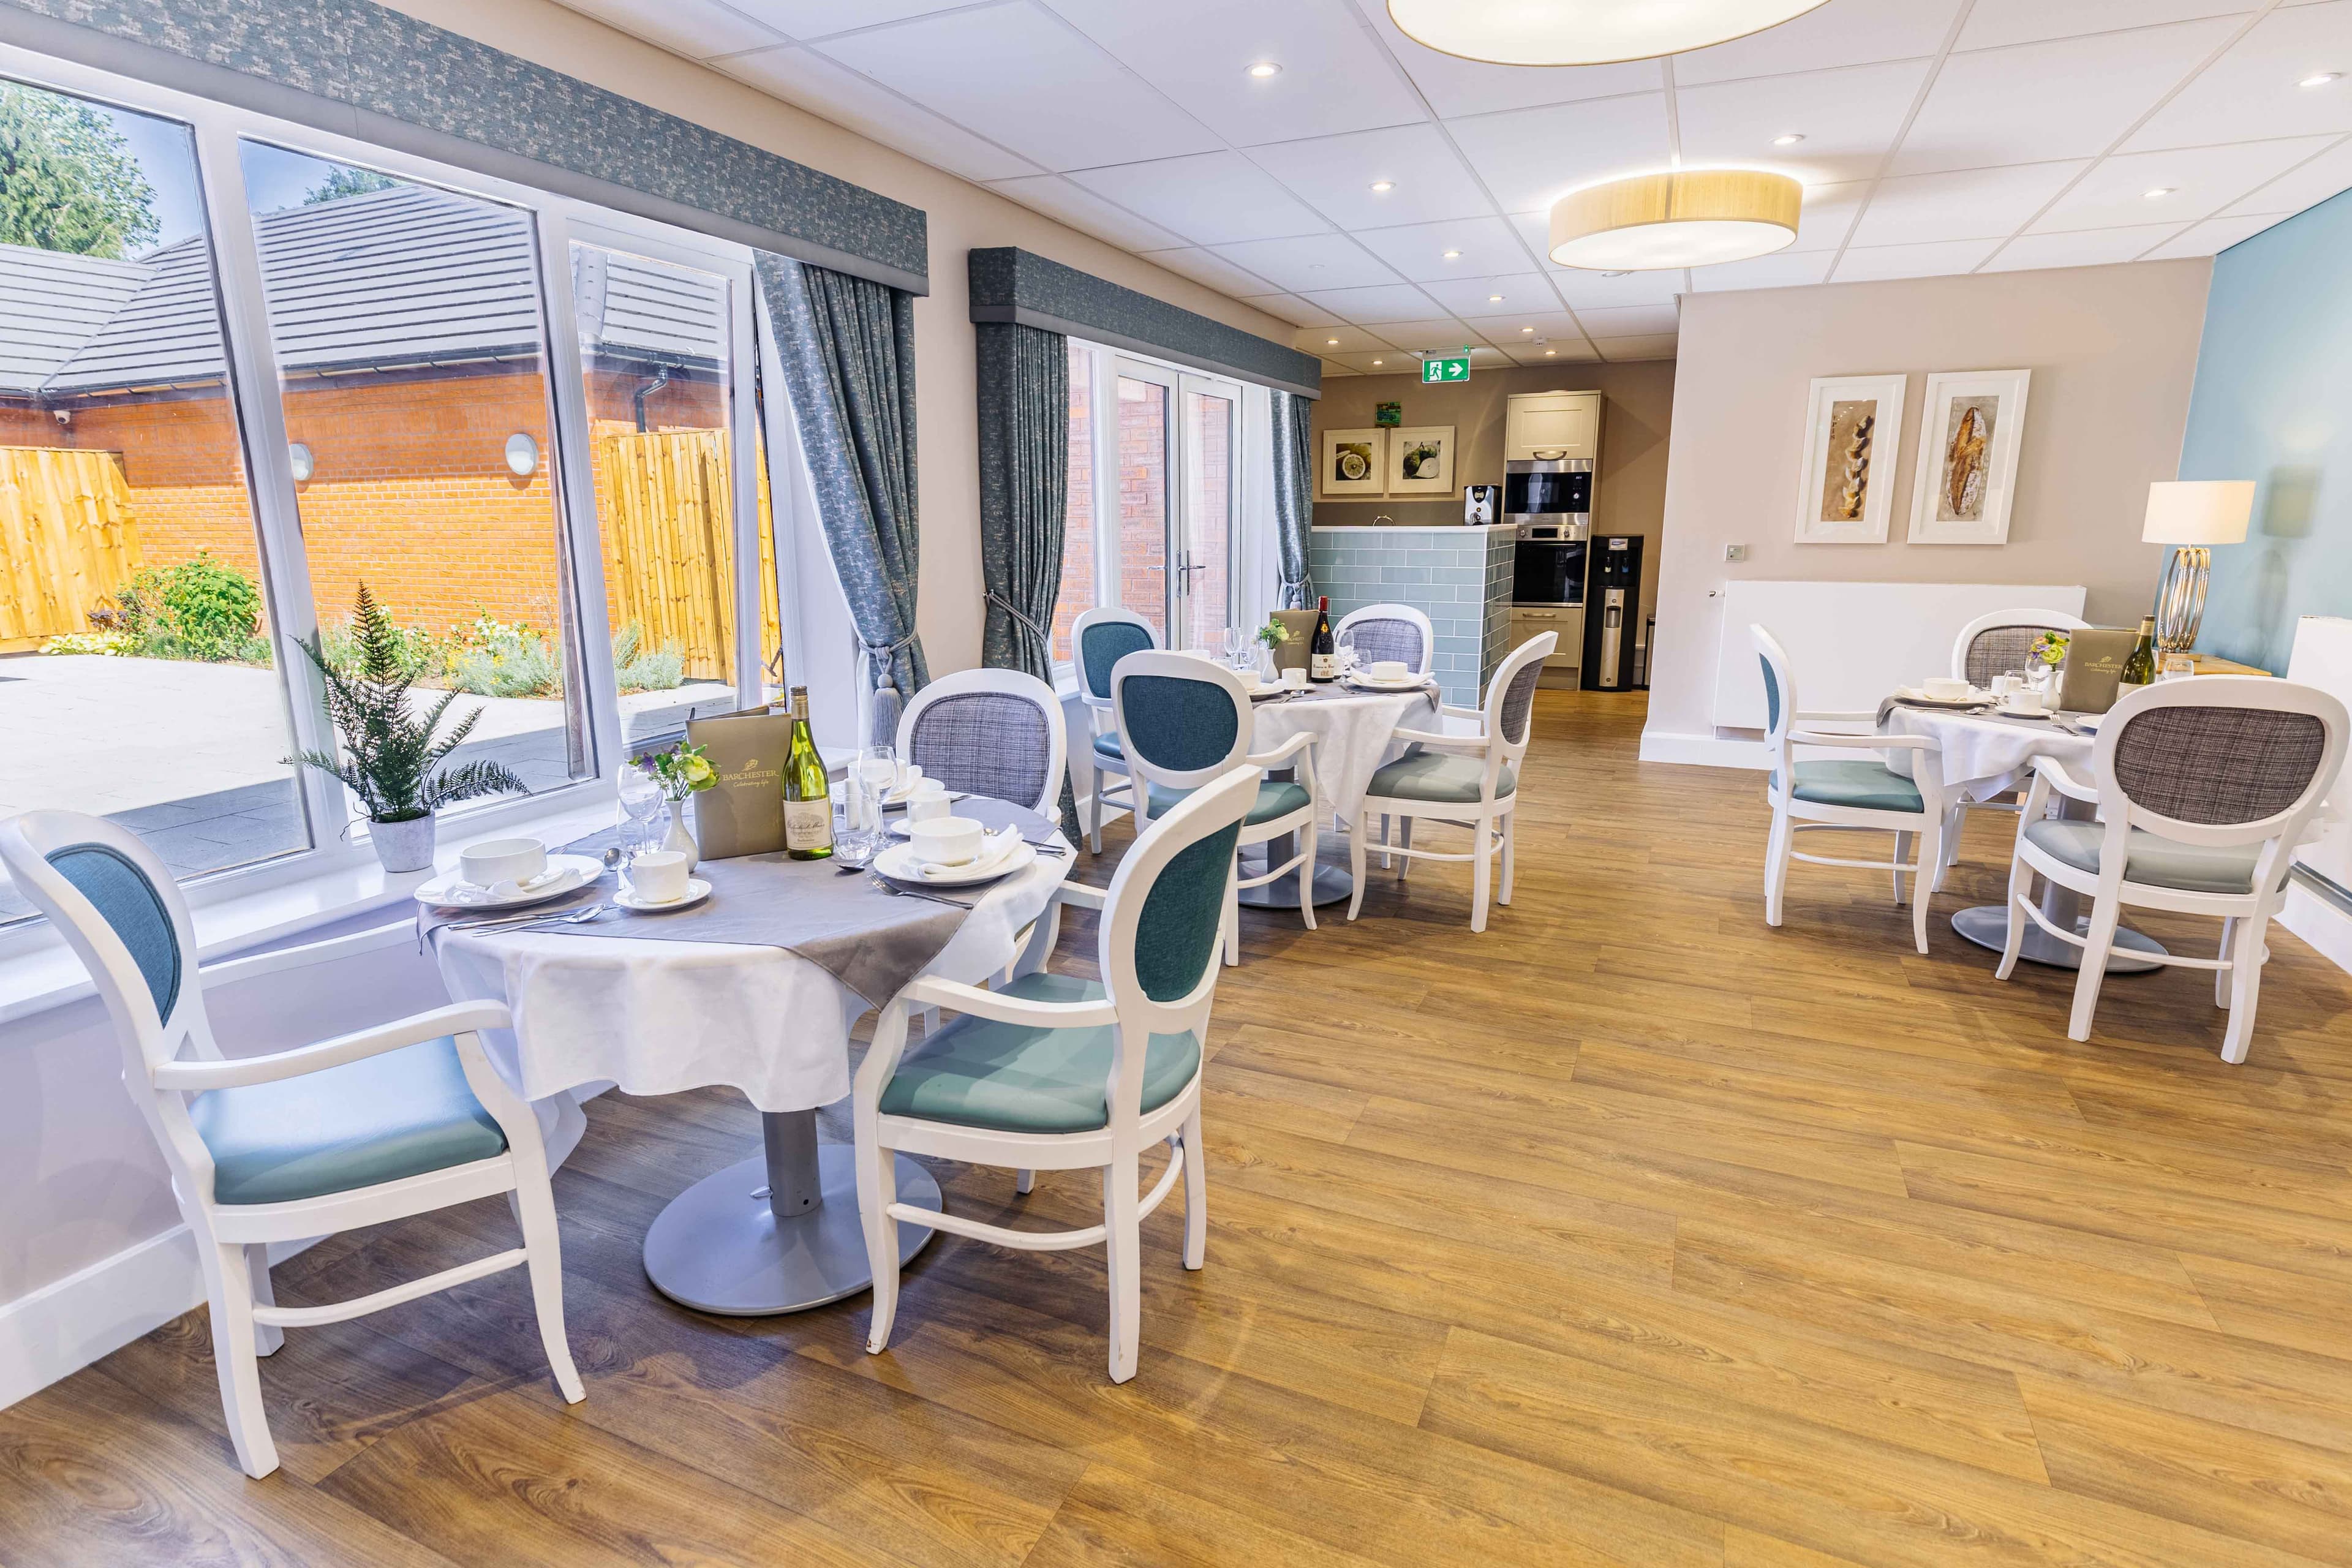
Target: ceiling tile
(1581, 288)
(1056, 197)
(1395, 362)
(1631, 321)
(1976, 203)
(1418, 250)
(696, 28)
(1782, 269)
(1210, 198)
(1471, 298)
(2202, 179)
(1531, 157)
(833, 92)
(1620, 350)
(816, 18)
(1335, 175)
(2066, 99)
(2213, 236)
(1848, 118)
(2088, 247)
(1333, 76)
(1291, 308)
(1843, 33)
(1454, 85)
(1863, 263)
(1310, 263)
(2251, 91)
(1431, 337)
(1536, 327)
(2307, 185)
(1392, 302)
(1208, 267)
(1558, 351)
(1337, 340)
(1827, 216)
(1022, 79)
(1993, 23)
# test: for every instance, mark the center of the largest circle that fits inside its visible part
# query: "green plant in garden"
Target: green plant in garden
(496, 659)
(111, 644)
(422, 655)
(199, 609)
(390, 758)
(639, 669)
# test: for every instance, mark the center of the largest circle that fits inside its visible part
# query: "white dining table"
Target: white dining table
(778, 1232)
(1355, 732)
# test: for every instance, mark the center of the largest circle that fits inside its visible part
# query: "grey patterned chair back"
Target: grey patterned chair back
(999, 744)
(2219, 767)
(1997, 650)
(1511, 695)
(1381, 637)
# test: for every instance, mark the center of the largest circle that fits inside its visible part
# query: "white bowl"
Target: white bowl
(1945, 688)
(496, 860)
(1387, 669)
(946, 840)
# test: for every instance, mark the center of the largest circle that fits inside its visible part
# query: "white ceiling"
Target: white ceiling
(1941, 136)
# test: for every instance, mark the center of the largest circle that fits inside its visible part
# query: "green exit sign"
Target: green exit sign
(1453, 368)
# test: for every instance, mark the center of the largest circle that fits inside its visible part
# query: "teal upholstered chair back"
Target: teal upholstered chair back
(1780, 693)
(1184, 721)
(1163, 919)
(1100, 639)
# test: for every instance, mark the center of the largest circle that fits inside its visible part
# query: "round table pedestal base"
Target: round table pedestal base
(1332, 884)
(719, 1248)
(1987, 925)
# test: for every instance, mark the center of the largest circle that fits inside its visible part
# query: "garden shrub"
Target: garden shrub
(199, 609)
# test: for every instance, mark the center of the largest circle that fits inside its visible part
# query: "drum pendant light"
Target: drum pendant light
(1584, 32)
(1690, 217)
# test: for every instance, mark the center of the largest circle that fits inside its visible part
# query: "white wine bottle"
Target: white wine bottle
(808, 797)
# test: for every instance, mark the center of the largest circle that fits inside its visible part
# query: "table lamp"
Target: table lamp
(2192, 515)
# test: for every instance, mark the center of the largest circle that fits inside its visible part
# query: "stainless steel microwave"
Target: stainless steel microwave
(1548, 489)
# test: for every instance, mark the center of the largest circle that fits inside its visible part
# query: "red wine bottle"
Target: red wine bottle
(1323, 653)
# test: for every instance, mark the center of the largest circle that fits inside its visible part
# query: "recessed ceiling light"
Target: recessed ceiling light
(1330, 342)
(2160, 191)
(1617, 274)
(1493, 298)
(1453, 255)
(1264, 69)
(1527, 329)
(1549, 352)
(1382, 187)
(1583, 32)
(2320, 78)
(1375, 362)
(1791, 140)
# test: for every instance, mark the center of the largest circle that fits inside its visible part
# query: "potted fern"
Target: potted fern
(391, 760)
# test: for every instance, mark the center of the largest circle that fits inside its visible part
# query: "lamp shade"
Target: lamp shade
(1583, 32)
(2197, 511)
(1691, 217)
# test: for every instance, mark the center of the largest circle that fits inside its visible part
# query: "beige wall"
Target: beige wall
(2112, 351)
(1630, 487)
(963, 217)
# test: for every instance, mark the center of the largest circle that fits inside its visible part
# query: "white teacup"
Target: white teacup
(1295, 676)
(658, 876)
(1387, 669)
(1249, 680)
(496, 860)
(1946, 688)
(2007, 685)
(929, 802)
(946, 840)
(2025, 699)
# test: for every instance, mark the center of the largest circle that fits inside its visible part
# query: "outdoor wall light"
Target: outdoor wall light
(522, 456)
(298, 456)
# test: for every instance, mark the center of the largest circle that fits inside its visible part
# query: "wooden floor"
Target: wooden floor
(1630, 1232)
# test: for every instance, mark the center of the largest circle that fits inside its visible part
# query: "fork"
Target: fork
(517, 922)
(896, 891)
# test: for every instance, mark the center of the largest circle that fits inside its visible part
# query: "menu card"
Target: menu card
(744, 813)
(2094, 667)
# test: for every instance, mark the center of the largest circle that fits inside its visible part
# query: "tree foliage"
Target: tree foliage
(347, 179)
(69, 180)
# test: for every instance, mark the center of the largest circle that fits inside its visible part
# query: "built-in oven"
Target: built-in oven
(1547, 565)
(1541, 490)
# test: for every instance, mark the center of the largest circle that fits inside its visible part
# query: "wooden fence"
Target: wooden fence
(662, 511)
(67, 539)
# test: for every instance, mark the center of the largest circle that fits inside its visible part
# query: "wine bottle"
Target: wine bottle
(2140, 666)
(808, 799)
(1323, 654)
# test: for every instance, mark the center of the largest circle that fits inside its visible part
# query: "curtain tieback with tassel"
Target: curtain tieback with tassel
(1010, 608)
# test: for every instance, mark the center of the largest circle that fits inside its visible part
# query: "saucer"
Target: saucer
(899, 864)
(697, 890)
(1371, 683)
(451, 891)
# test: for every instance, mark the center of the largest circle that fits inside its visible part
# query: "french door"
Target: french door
(1178, 435)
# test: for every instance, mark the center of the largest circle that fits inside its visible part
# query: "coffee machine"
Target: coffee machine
(1612, 602)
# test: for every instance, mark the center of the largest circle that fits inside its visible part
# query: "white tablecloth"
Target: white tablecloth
(656, 1017)
(1353, 736)
(1984, 756)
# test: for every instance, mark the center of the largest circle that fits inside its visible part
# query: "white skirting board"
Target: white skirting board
(2321, 656)
(1703, 750)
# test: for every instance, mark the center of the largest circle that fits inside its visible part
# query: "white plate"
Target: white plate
(1272, 689)
(898, 863)
(451, 891)
(1410, 683)
(898, 798)
(1919, 694)
(697, 890)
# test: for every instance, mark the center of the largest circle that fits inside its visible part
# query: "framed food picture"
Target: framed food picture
(1853, 432)
(1970, 432)
(1351, 469)
(1421, 460)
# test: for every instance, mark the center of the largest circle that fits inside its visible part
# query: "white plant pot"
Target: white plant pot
(404, 846)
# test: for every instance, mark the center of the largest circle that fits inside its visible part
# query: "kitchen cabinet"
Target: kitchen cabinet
(1552, 425)
(1529, 622)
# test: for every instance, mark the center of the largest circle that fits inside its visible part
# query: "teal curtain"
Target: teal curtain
(849, 351)
(1024, 492)
(1293, 495)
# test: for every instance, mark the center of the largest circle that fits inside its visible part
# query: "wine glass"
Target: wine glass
(1344, 646)
(873, 773)
(641, 798)
(1236, 641)
(2175, 667)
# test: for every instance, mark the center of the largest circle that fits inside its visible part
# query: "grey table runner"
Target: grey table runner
(870, 940)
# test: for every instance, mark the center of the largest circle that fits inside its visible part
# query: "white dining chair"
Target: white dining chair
(1396, 631)
(1098, 640)
(1994, 644)
(363, 1129)
(1468, 779)
(1859, 794)
(1187, 720)
(1054, 1072)
(2204, 788)
(994, 733)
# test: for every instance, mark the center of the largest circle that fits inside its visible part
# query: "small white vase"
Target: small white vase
(404, 846)
(678, 838)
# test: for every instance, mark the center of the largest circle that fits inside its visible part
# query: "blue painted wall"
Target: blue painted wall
(2273, 404)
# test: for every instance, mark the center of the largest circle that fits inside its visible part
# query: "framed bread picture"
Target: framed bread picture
(1854, 428)
(1970, 432)
(1351, 465)
(1421, 460)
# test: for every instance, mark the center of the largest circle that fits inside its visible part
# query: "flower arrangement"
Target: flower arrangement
(680, 772)
(2050, 647)
(1271, 634)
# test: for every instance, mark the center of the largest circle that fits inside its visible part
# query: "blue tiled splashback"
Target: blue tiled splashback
(1460, 578)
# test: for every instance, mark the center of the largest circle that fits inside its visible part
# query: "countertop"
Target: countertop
(1413, 527)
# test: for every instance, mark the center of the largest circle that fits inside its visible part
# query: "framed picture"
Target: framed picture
(1854, 434)
(1970, 432)
(1421, 460)
(1350, 468)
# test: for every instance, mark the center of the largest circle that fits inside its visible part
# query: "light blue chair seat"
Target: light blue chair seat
(1013, 1078)
(379, 1119)
(1109, 746)
(1275, 798)
(1439, 776)
(1865, 784)
(2156, 862)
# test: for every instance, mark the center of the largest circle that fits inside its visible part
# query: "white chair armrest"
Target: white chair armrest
(930, 991)
(1282, 754)
(1447, 742)
(1080, 894)
(1866, 742)
(1448, 711)
(1867, 716)
(458, 1017)
(2064, 783)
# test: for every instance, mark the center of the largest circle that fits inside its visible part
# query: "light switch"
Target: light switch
(1735, 552)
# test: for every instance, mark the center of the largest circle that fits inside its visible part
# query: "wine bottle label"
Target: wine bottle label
(1323, 667)
(808, 824)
